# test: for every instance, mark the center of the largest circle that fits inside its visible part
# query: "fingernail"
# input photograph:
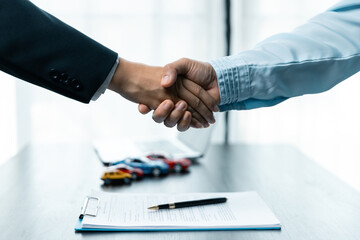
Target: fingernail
(167, 106)
(216, 109)
(181, 106)
(165, 79)
(198, 125)
(206, 125)
(212, 121)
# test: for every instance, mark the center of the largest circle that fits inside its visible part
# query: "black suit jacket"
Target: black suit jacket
(39, 48)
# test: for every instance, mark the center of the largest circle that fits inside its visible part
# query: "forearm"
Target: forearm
(313, 58)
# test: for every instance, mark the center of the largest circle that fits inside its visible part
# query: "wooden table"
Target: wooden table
(43, 188)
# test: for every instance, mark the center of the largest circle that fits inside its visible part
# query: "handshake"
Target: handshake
(183, 93)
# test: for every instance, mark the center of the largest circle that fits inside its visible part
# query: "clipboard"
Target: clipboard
(79, 228)
(85, 205)
(100, 217)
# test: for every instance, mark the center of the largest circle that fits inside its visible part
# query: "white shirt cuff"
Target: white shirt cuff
(106, 83)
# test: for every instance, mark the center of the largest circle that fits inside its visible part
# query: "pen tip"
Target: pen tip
(153, 208)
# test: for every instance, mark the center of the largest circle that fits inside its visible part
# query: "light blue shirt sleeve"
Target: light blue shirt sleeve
(312, 59)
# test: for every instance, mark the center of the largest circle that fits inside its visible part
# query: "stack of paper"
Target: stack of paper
(128, 212)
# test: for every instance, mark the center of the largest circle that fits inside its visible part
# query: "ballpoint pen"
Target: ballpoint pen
(188, 203)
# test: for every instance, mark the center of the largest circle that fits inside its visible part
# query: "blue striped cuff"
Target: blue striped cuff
(233, 80)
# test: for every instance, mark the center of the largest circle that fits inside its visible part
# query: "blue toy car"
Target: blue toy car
(155, 168)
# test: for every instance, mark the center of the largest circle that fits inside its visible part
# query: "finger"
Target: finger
(195, 123)
(176, 115)
(201, 122)
(143, 109)
(184, 123)
(201, 93)
(195, 103)
(172, 70)
(163, 110)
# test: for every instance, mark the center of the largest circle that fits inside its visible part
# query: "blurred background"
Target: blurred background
(325, 126)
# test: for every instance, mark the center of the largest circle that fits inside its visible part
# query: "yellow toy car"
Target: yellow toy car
(111, 176)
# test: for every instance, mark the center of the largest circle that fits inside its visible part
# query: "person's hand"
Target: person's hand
(141, 84)
(201, 114)
(199, 79)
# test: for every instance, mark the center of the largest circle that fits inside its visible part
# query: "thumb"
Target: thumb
(172, 70)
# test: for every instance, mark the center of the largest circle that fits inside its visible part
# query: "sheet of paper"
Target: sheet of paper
(129, 211)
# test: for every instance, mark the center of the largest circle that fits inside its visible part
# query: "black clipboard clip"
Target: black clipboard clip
(85, 205)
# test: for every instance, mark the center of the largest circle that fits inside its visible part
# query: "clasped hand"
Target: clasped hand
(183, 93)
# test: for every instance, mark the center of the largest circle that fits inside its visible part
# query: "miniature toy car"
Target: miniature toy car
(155, 168)
(176, 165)
(136, 173)
(111, 176)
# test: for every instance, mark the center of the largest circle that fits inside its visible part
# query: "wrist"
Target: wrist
(214, 86)
(128, 79)
(120, 77)
(138, 83)
(233, 79)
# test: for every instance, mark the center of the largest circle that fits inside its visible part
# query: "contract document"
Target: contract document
(129, 212)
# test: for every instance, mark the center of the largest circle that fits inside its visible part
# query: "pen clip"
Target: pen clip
(85, 205)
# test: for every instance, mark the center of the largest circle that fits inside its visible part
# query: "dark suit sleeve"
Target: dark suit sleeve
(38, 48)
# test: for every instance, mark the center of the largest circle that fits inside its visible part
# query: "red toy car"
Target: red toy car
(176, 165)
(136, 173)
